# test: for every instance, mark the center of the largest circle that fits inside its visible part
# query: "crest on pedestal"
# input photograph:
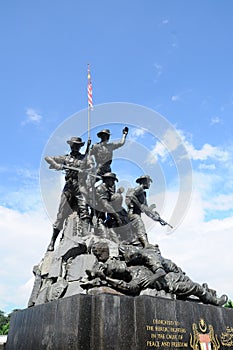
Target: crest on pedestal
(203, 337)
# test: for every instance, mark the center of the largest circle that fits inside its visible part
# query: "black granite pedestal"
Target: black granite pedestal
(114, 322)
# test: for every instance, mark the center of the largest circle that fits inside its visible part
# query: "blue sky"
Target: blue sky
(173, 57)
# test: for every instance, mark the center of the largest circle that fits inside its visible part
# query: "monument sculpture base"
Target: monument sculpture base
(115, 322)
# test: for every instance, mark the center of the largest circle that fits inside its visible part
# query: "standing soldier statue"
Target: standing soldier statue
(103, 151)
(137, 203)
(71, 197)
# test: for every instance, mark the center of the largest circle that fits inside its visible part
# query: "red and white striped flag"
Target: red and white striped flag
(89, 88)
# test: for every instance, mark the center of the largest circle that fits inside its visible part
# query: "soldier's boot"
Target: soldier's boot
(209, 297)
(222, 300)
(143, 239)
(53, 239)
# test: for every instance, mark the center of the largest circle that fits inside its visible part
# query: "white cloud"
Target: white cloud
(25, 240)
(175, 98)
(178, 97)
(207, 166)
(206, 182)
(221, 202)
(207, 151)
(223, 154)
(171, 140)
(158, 151)
(165, 21)
(32, 116)
(137, 132)
(215, 120)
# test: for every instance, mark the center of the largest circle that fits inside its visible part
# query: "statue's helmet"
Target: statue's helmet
(110, 175)
(75, 140)
(103, 132)
(143, 178)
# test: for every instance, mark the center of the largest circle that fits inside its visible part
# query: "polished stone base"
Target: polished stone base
(114, 322)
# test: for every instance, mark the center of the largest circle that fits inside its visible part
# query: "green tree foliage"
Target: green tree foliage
(5, 329)
(4, 323)
(229, 304)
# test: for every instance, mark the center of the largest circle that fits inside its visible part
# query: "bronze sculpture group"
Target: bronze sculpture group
(100, 205)
(137, 267)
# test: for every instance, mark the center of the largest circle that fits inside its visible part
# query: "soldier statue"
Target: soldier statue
(136, 202)
(103, 151)
(141, 268)
(105, 194)
(71, 197)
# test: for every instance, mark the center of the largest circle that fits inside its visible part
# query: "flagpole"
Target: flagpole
(90, 107)
(90, 103)
(89, 123)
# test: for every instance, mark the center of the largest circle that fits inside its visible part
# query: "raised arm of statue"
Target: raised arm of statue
(121, 143)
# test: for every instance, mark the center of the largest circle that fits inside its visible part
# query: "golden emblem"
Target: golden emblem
(227, 337)
(203, 337)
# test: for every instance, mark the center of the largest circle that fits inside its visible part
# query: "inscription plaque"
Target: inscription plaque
(166, 333)
(142, 323)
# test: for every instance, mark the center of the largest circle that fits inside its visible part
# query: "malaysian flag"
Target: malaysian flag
(89, 89)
